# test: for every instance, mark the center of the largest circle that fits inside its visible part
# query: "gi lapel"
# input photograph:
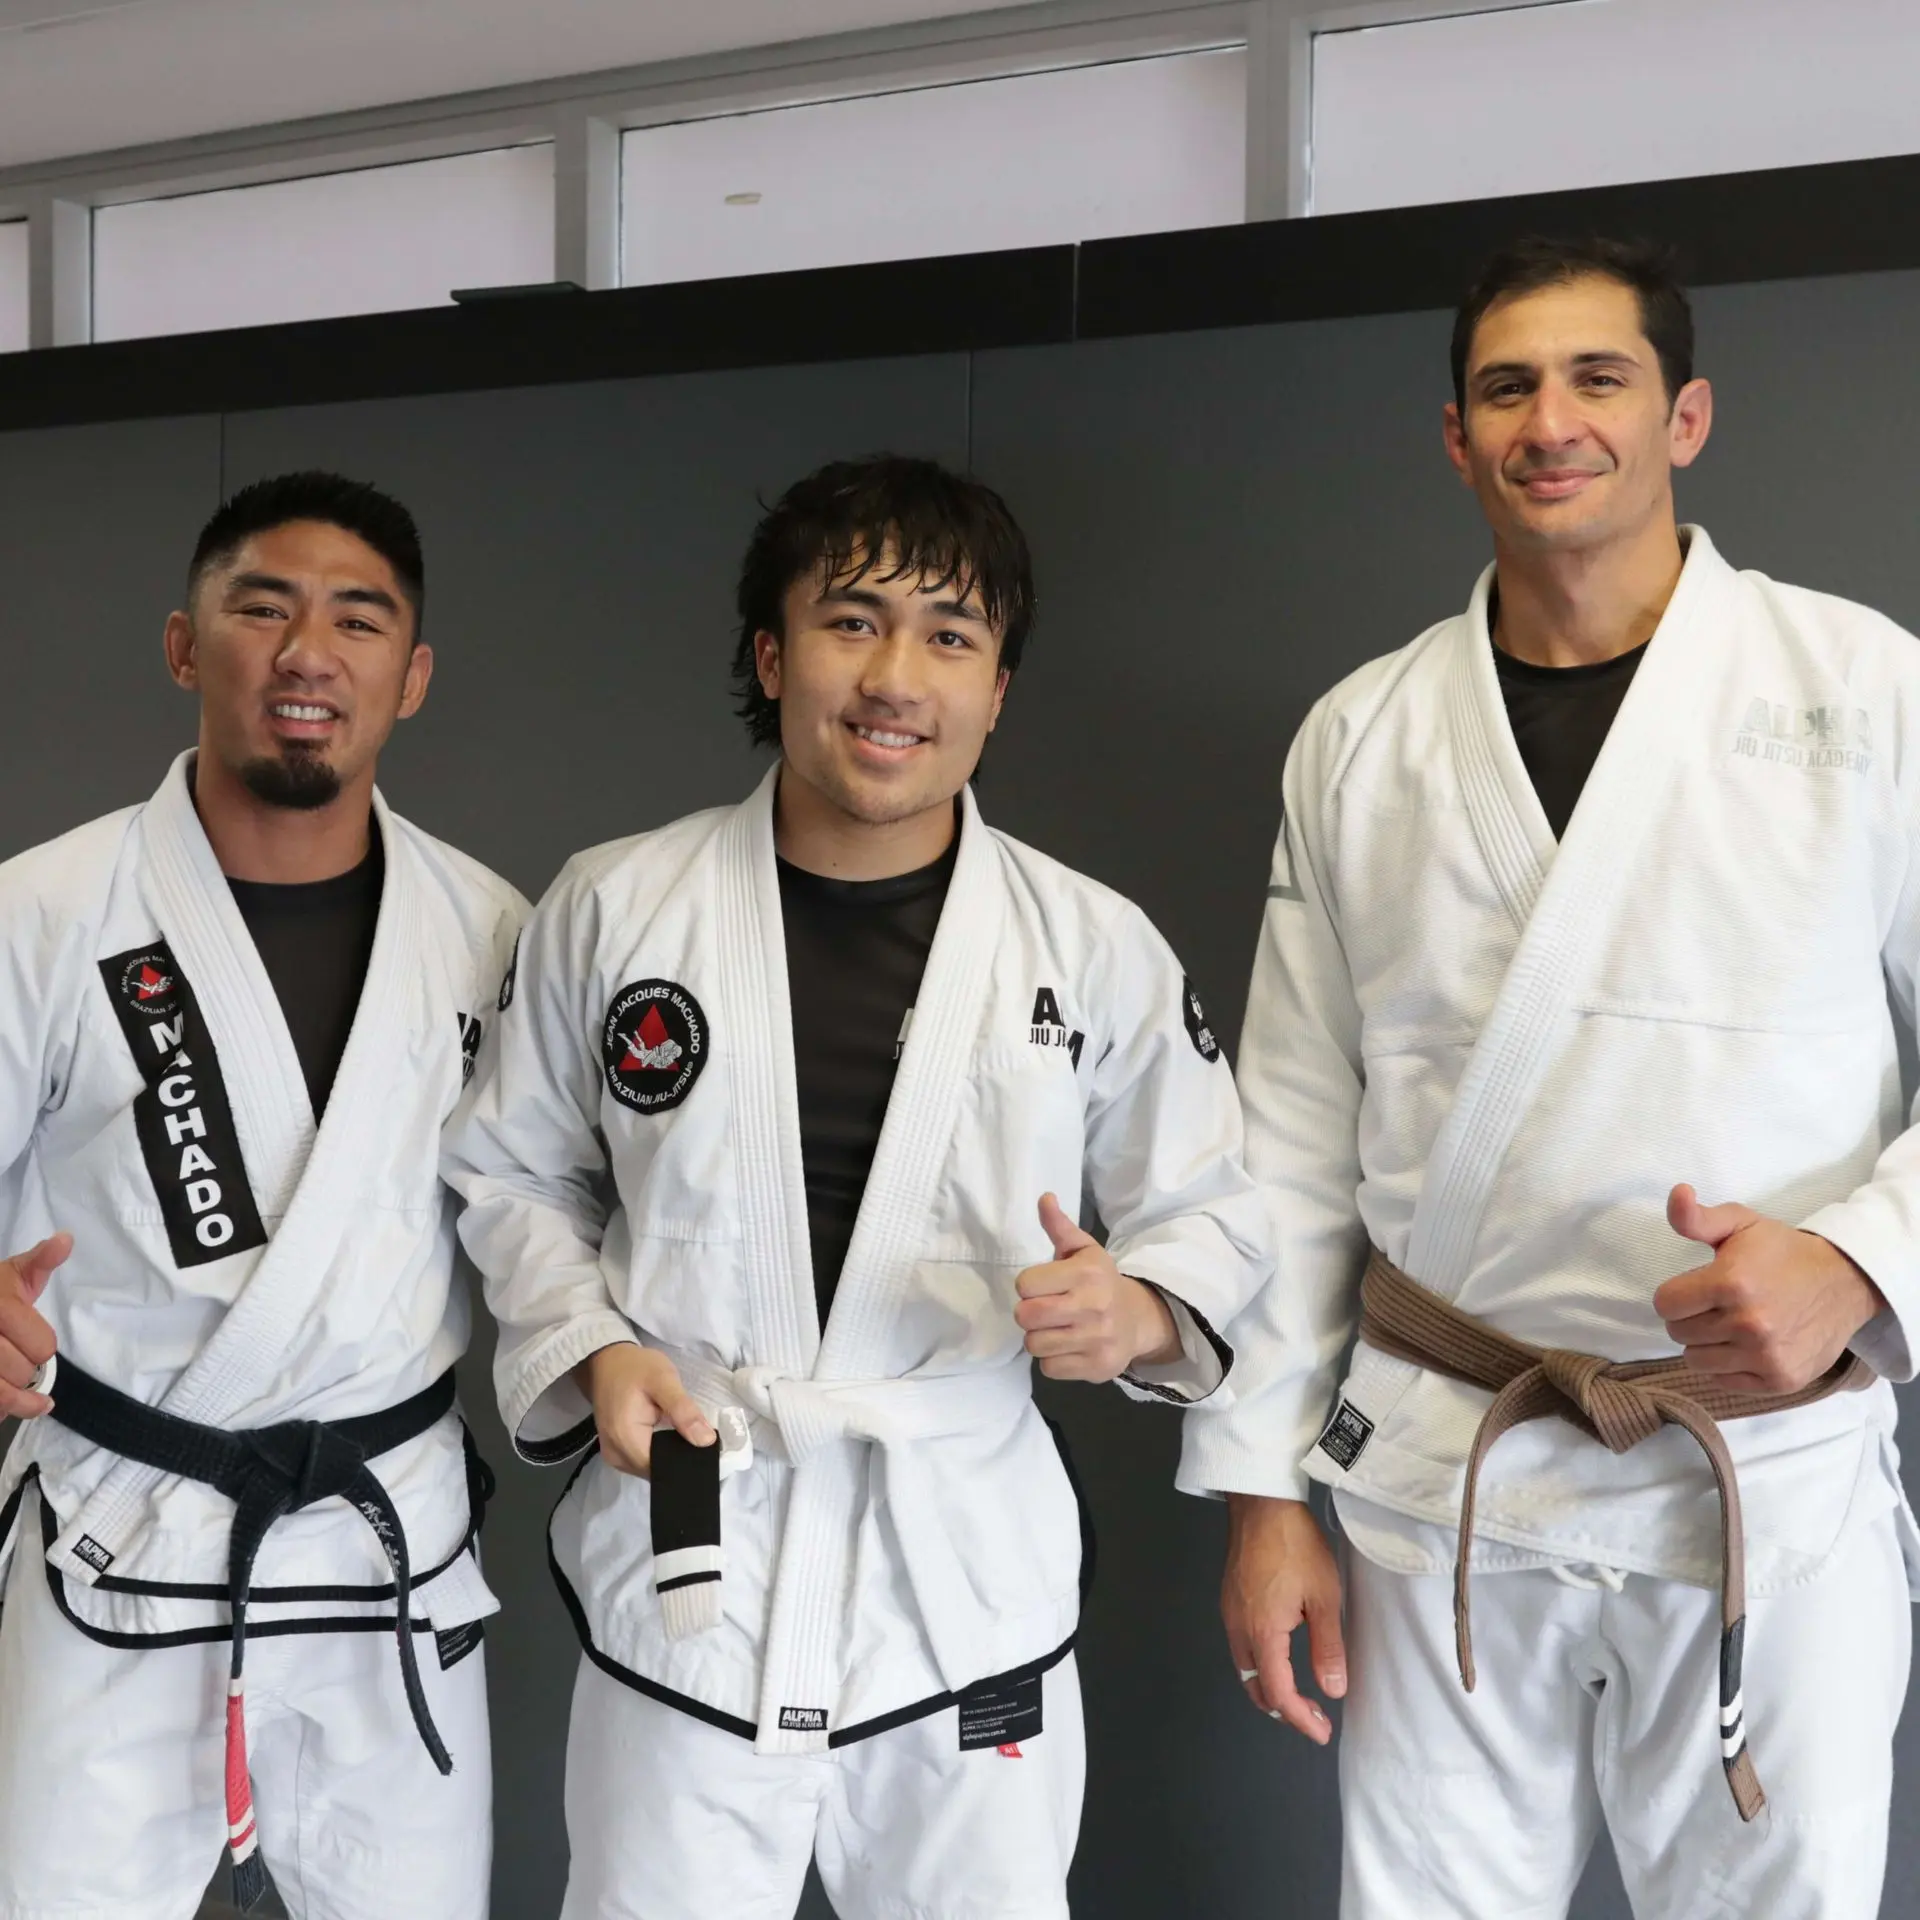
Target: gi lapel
(776, 1253)
(1566, 910)
(805, 1636)
(313, 1177)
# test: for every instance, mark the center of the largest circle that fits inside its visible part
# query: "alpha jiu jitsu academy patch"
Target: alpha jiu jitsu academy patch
(1204, 1042)
(654, 1044)
(1344, 1438)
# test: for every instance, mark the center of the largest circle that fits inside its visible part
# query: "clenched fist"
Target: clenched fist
(1084, 1319)
(26, 1341)
(634, 1390)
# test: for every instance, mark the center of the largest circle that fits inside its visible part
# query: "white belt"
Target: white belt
(795, 1418)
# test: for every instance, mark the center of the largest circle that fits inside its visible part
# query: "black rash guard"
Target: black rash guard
(315, 940)
(855, 952)
(1560, 717)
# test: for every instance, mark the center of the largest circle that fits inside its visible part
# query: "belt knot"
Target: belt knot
(1620, 1413)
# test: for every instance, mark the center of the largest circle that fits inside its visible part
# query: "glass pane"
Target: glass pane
(368, 242)
(13, 286)
(1595, 92)
(1137, 146)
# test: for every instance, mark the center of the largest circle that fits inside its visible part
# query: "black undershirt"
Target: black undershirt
(855, 952)
(1560, 717)
(315, 940)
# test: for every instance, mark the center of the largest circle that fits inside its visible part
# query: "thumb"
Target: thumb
(1067, 1235)
(35, 1266)
(1708, 1225)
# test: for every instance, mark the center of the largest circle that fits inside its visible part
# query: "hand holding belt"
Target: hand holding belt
(1619, 1404)
(268, 1473)
(793, 1418)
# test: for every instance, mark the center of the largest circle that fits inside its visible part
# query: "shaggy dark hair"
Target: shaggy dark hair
(915, 517)
(353, 506)
(1648, 270)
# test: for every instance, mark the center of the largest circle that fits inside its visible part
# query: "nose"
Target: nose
(1553, 421)
(306, 649)
(895, 673)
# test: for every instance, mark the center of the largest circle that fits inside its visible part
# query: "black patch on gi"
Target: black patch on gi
(513, 973)
(182, 1116)
(456, 1643)
(93, 1553)
(654, 1045)
(1345, 1436)
(998, 1713)
(803, 1719)
(1204, 1044)
(470, 1034)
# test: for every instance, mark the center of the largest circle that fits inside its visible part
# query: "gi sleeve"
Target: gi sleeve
(525, 1154)
(1877, 1226)
(1300, 1089)
(1163, 1160)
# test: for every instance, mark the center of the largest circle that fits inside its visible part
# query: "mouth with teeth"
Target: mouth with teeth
(302, 719)
(886, 743)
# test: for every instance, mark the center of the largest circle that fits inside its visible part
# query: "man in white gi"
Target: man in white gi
(1588, 904)
(789, 1108)
(243, 1604)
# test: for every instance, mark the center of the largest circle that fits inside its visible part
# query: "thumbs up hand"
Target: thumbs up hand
(1084, 1319)
(26, 1341)
(1772, 1310)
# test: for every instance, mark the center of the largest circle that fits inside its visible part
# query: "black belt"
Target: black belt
(268, 1473)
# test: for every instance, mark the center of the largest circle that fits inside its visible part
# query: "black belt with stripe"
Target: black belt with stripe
(268, 1473)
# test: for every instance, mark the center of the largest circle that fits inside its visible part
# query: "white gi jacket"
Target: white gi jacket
(230, 1264)
(1494, 1056)
(908, 1527)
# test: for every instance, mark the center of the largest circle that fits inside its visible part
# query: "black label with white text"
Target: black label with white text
(999, 1713)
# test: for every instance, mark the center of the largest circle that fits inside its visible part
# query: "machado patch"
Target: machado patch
(654, 1045)
(1345, 1436)
(1204, 1044)
(182, 1116)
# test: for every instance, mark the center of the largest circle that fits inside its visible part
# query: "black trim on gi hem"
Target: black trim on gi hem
(208, 1636)
(560, 1449)
(745, 1729)
(1221, 1352)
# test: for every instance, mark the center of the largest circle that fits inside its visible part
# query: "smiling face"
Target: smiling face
(300, 645)
(888, 688)
(1569, 437)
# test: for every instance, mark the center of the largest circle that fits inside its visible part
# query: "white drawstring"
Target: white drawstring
(1596, 1577)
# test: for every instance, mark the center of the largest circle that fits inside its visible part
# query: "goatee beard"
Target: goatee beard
(296, 780)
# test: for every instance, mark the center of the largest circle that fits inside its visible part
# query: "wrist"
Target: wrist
(1868, 1302)
(1157, 1341)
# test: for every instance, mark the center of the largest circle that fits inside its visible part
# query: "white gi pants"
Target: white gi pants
(671, 1819)
(112, 1763)
(1593, 1705)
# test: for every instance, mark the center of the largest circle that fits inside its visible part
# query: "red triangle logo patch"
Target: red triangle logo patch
(652, 1034)
(152, 983)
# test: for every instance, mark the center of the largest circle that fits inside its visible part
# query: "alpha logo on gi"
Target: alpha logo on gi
(1049, 1030)
(803, 1719)
(181, 1115)
(471, 1033)
(1811, 737)
(1204, 1043)
(654, 1044)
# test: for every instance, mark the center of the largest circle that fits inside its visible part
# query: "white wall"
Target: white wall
(368, 242)
(1130, 147)
(13, 286)
(1592, 92)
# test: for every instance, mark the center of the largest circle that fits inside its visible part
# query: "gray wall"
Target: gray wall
(1224, 524)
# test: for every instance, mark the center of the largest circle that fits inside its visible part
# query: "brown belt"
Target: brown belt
(1619, 1404)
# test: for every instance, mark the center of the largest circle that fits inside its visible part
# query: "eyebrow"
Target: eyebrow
(346, 596)
(866, 597)
(1593, 357)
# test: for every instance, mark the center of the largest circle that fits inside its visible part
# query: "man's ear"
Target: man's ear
(182, 648)
(766, 662)
(1000, 687)
(413, 690)
(1453, 429)
(1689, 422)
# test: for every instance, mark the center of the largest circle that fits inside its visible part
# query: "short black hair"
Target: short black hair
(942, 528)
(352, 505)
(1648, 269)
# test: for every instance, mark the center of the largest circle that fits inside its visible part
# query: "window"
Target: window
(13, 286)
(1130, 147)
(1593, 92)
(367, 242)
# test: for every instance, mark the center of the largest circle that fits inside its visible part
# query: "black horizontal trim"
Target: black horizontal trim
(685, 1580)
(1855, 216)
(941, 305)
(560, 1448)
